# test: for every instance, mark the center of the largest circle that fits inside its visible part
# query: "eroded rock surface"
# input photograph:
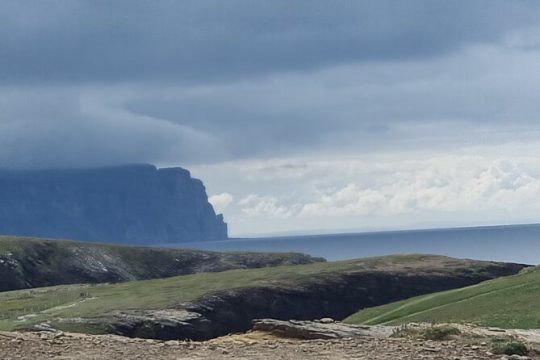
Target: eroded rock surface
(309, 330)
(252, 345)
(330, 294)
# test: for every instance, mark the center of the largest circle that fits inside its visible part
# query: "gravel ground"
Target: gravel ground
(254, 345)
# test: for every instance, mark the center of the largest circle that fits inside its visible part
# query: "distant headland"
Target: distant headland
(137, 204)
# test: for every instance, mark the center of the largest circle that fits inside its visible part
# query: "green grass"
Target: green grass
(511, 347)
(508, 302)
(66, 301)
(31, 262)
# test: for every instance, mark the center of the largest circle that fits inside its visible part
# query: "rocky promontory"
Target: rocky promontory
(126, 204)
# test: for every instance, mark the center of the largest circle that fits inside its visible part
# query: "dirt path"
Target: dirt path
(254, 345)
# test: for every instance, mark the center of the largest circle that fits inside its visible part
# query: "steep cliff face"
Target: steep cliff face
(128, 204)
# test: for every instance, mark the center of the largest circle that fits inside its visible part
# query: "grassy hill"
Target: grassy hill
(234, 298)
(31, 262)
(508, 302)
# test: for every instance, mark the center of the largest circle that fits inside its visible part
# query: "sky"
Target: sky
(299, 116)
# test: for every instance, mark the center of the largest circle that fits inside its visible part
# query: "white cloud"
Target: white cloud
(221, 201)
(264, 206)
(350, 200)
(487, 185)
(448, 184)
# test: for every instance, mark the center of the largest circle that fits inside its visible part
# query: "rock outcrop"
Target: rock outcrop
(310, 330)
(254, 345)
(332, 294)
(30, 263)
(128, 204)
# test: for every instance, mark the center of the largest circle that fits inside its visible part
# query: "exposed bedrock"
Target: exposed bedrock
(332, 295)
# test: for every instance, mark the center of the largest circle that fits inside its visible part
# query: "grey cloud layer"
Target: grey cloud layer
(86, 83)
(297, 114)
(59, 41)
(73, 127)
(472, 97)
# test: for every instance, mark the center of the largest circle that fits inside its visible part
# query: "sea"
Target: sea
(511, 243)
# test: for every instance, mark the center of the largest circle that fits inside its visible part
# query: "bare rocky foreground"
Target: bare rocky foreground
(378, 344)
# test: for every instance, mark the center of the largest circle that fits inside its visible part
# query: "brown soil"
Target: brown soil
(253, 345)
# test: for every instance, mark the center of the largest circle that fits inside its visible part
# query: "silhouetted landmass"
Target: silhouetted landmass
(128, 204)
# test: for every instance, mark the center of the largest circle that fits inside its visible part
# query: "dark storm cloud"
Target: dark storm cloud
(86, 83)
(214, 40)
(48, 127)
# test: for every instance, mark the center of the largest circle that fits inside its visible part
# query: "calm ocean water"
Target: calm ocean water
(516, 243)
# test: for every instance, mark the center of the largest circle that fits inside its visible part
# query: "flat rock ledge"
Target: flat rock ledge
(322, 329)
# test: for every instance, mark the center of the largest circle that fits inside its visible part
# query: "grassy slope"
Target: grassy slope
(91, 300)
(508, 302)
(23, 244)
(31, 262)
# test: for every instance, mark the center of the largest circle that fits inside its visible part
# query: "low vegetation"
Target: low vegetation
(507, 302)
(509, 347)
(23, 308)
(31, 262)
